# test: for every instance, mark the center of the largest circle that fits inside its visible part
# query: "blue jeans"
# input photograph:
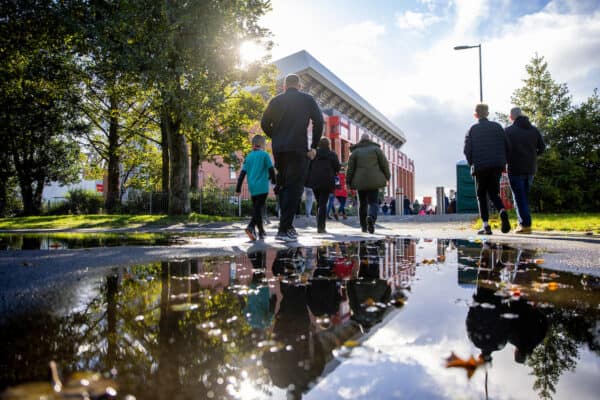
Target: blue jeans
(367, 205)
(330, 204)
(520, 185)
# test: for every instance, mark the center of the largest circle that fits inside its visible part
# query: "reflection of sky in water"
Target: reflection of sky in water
(405, 358)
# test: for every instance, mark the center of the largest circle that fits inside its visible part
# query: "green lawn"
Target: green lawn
(579, 222)
(105, 221)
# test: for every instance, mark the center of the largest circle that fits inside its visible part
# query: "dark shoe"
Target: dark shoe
(329, 217)
(370, 224)
(336, 216)
(262, 235)
(285, 236)
(250, 233)
(344, 216)
(292, 232)
(505, 222)
(485, 231)
(364, 229)
(321, 230)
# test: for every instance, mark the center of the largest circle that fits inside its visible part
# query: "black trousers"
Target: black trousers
(291, 176)
(322, 196)
(487, 182)
(258, 202)
(367, 204)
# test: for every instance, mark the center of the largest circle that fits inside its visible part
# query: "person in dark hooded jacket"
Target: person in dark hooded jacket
(526, 143)
(321, 179)
(368, 171)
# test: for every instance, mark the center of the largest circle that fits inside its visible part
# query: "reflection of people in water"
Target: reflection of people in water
(528, 330)
(367, 293)
(492, 321)
(257, 308)
(288, 261)
(485, 326)
(296, 365)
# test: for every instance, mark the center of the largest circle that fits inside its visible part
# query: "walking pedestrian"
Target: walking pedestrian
(286, 121)
(341, 194)
(321, 178)
(526, 143)
(309, 198)
(259, 169)
(486, 149)
(368, 171)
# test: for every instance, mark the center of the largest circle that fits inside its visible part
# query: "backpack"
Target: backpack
(338, 184)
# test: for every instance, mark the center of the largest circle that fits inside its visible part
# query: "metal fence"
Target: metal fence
(213, 201)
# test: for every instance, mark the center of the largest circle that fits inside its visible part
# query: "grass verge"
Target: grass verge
(105, 221)
(576, 222)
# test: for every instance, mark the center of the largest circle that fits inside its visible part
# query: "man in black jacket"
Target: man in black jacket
(286, 121)
(486, 149)
(526, 143)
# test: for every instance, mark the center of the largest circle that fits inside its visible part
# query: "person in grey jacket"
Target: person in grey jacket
(486, 149)
(526, 143)
(368, 171)
(286, 121)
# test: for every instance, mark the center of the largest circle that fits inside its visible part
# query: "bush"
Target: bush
(81, 201)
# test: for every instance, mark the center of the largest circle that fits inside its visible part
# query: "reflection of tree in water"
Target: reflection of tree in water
(556, 354)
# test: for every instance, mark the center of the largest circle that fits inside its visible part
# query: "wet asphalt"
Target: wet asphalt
(27, 274)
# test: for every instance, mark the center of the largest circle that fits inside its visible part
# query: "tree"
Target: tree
(570, 171)
(115, 101)
(39, 102)
(542, 99)
(190, 53)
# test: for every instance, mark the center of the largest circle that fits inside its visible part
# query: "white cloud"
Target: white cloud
(427, 88)
(416, 21)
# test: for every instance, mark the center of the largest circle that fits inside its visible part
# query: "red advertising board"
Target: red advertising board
(100, 187)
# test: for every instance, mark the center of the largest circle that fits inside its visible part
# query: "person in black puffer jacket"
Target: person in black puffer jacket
(526, 143)
(321, 179)
(486, 149)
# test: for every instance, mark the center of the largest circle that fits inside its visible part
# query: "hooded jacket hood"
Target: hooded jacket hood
(523, 122)
(363, 143)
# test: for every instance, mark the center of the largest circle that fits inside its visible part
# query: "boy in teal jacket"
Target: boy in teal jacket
(259, 169)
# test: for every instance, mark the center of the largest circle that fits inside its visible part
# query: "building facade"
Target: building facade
(347, 116)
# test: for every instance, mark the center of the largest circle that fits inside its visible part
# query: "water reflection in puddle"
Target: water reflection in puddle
(370, 320)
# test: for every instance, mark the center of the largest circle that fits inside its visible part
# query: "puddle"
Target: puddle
(372, 320)
(63, 241)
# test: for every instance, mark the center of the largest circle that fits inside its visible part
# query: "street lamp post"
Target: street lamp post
(480, 74)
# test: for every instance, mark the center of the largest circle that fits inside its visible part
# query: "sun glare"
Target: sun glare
(251, 51)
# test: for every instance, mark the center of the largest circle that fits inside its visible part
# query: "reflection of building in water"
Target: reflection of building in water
(399, 264)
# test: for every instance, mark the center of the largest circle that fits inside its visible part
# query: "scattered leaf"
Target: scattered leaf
(470, 364)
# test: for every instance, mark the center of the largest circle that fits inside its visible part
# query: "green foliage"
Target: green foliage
(81, 201)
(40, 95)
(542, 99)
(568, 172)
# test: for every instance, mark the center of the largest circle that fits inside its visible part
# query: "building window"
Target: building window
(232, 172)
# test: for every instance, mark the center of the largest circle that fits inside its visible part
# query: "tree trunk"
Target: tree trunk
(179, 166)
(29, 207)
(164, 143)
(114, 161)
(195, 159)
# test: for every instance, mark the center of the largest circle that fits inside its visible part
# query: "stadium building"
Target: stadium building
(347, 116)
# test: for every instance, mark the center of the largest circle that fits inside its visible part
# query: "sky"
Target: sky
(399, 56)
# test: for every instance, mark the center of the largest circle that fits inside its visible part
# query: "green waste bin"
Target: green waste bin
(466, 196)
